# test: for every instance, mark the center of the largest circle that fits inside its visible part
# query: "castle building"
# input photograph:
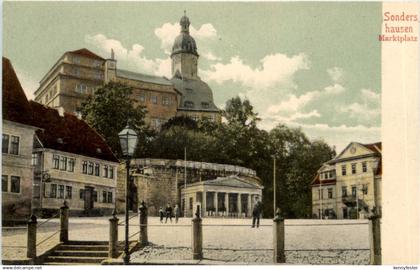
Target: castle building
(78, 73)
(349, 186)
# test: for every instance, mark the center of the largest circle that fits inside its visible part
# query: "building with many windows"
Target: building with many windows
(78, 73)
(349, 186)
(72, 163)
(17, 141)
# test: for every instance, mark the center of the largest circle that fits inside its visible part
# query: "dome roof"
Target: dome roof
(184, 43)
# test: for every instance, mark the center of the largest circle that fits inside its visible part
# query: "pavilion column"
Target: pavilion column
(249, 205)
(239, 204)
(216, 204)
(227, 203)
(204, 207)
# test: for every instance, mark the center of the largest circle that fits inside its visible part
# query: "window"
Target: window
(365, 189)
(90, 168)
(98, 75)
(76, 60)
(53, 192)
(364, 166)
(14, 146)
(61, 191)
(97, 64)
(76, 71)
(81, 88)
(5, 144)
(84, 167)
(330, 193)
(109, 197)
(4, 183)
(68, 192)
(344, 191)
(188, 104)
(82, 194)
(34, 159)
(205, 105)
(353, 168)
(71, 164)
(331, 174)
(142, 98)
(165, 101)
(95, 196)
(105, 171)
(353, 191)
(153, 99)
(97, 169)
(56, 161)
(343, 170)
(111, 172)
(63, 164)
(104, 193)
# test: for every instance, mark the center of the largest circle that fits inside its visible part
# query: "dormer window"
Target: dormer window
(189, 104)
(205, 105)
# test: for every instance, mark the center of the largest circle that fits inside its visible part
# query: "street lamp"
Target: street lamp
(128, 142)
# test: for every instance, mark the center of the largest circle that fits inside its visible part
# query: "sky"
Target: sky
(304, 64)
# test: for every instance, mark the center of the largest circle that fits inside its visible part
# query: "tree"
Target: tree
(109, 110)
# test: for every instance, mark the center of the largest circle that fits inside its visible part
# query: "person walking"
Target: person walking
(168, 211)
(161, 214)
(177, 213)
(256, 213)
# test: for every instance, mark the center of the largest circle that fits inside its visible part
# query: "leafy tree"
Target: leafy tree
(109, 110)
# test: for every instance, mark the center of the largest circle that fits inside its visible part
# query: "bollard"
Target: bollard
(278, 238)
(143, 240)
(113, 236)
(31, 241)
(375, 238)
(64, 223)
(197, 236)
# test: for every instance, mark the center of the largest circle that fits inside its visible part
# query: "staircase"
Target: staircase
(78, 252)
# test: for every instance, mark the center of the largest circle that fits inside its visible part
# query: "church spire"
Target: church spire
(185, 23)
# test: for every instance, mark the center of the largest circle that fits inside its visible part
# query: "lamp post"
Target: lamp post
(128, 142)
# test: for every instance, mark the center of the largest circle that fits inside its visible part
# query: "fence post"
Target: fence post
(64, 223)
(197, 236)
(375, 238)
(143, 240)
(31, 241)
(113, 236)
(278, 238)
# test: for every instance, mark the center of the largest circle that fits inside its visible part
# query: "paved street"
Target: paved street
(235, 235)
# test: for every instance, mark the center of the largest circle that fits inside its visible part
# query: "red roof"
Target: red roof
(375, 147)
(15, 104)
(69, 134)
(86, 53)
(316, 181)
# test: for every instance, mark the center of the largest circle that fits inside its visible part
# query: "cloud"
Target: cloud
(274, 69)
(368, 109)
(29, 84)
(336, 74)
(133, 57)
(210, 56)
(293, 103)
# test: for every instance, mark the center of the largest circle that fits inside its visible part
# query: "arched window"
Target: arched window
(188, 104)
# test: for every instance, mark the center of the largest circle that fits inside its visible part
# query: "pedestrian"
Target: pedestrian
(168, 213)
(161, 214)
(256, 212)
(177, 213)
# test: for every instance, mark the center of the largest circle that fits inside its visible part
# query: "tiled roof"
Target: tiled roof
(375, 147)
(86, 53)
(143, 77)
(15, 104)
(316, 181)
(69, 134)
